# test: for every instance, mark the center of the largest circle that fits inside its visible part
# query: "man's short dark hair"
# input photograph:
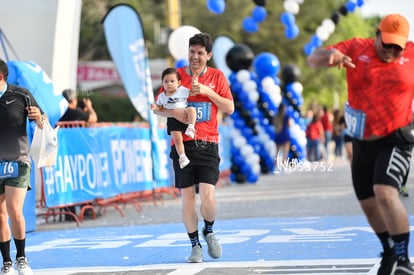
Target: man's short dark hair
(4, 69)
(69, 95)
(202, 39)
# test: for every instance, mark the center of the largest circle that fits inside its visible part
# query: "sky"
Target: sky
(383, 7)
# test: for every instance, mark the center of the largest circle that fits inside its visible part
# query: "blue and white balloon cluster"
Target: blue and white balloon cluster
(251, 23)
(246, 148)
(287, 18)
(328, 25)
(257, 96)
(292, 98)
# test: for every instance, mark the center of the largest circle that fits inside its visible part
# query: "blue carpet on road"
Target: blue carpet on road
(267, 239)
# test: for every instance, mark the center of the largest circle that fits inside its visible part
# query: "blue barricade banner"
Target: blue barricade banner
(104, 162)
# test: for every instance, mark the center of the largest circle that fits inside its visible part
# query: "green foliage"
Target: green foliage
(319, 85)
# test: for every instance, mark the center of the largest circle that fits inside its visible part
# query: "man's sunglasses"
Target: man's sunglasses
(391, 46)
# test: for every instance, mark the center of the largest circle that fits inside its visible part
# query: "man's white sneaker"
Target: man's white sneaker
(183, 161)
(7, 269)
(190, 131)
(214, 248)
(196, 255)
(22, 266)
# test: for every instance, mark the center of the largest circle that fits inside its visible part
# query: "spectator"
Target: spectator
(338, 134)
(327, 120)
(315, 137)
(282, 123)
(75, 113)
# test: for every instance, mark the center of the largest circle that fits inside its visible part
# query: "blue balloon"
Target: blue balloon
(309, 48)
(238, 124)
(350, 6)
(181, 63)
(259, 14)
(291, 32)
(250, 25)
(236, 87)
(247, 132)
(238, 159)
(233, 77)
(266, 64)
(287, 19)
(316, 41)
(216, 6)
(244, 168)
(360, 3)
(252, 178)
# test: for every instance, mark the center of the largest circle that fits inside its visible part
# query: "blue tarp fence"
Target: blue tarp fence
(103, 162)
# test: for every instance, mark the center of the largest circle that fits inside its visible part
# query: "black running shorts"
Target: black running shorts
(175, 125)
(204, 164)
(378, 162)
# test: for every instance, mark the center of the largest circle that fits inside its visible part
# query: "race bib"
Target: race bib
(203, 110)
(9, 169)
(355, 122)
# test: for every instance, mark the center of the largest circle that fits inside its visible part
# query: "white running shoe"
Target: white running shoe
(196, 255)
(7, 269)
(214, 248)
(22, 266)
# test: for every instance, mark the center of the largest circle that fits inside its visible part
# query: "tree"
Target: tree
(318, 84)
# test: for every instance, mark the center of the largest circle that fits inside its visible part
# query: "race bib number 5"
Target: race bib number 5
(203, 110)
(9, 169)
(355, 122)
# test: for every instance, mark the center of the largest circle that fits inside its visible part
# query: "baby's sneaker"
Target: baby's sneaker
(190, 132)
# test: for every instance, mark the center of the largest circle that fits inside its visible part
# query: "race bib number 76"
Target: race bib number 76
(9, 169)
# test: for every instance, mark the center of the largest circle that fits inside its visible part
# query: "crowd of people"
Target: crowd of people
(326, 134)
(377, 149)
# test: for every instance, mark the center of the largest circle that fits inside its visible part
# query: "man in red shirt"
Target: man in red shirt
(380, 93)
(209, 94)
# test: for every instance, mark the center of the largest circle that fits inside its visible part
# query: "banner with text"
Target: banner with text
(104, 162)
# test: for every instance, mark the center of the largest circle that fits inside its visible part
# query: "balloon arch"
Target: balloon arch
(258, 93)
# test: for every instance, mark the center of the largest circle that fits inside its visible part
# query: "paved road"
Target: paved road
(288, 223)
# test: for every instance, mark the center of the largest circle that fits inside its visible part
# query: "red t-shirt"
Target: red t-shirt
(206, 125)
(383, 91)
(326, 122)
(314, 131)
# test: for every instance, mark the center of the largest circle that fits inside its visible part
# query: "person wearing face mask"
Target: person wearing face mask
(378, 115)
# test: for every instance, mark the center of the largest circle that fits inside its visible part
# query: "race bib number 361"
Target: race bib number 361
(203, 110)
(9, 169)
(355, 122)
